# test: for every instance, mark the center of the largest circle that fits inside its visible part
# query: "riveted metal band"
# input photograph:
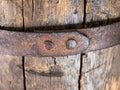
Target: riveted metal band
(41, 44)
(59, 43)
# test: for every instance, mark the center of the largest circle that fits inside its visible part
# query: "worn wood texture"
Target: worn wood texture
(52, 12)
(97, 10)
(52, 73)
(45, 75)
(11, 75)
(11, 13)
(101, 70)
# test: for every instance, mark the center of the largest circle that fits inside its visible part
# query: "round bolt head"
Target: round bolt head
(49, 44)
(71, 44)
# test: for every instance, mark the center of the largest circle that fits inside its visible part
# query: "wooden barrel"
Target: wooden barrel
(95, 70)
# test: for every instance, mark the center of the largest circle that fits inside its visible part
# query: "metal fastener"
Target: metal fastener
(49, 44)
(71, 44)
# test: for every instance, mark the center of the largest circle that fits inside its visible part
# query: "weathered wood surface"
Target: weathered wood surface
(100, 69)
(51, 13)
(11, 75)
(11, 13)
(52, 73)
(97, 10)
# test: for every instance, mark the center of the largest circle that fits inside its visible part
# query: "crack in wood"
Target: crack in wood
(23, 68)
(81, 58)
(23, 57)
(81, 67)
(92, 69)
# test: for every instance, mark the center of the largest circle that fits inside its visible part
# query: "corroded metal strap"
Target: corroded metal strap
(41, 44)
(59, 43)
(102, 37)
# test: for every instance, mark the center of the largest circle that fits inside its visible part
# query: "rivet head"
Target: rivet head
(49, 44)
(71, 44)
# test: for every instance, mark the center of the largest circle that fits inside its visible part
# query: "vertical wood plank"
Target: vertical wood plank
(11, 75)
(11, 13)
(100, 69)
(97, 10)
(52, 12)
(46, 75)
(112, 80)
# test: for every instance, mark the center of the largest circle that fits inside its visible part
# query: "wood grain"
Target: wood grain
(11, 13)
(52, 12)
(101, 69)
(11, 75)
(97, 10)
(46, 75)
(52, 73)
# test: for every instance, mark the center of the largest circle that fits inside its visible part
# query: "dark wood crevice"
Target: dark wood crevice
(81, 57)
(84, 17)
(23, 57)
(80, 71)
(23, 68)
